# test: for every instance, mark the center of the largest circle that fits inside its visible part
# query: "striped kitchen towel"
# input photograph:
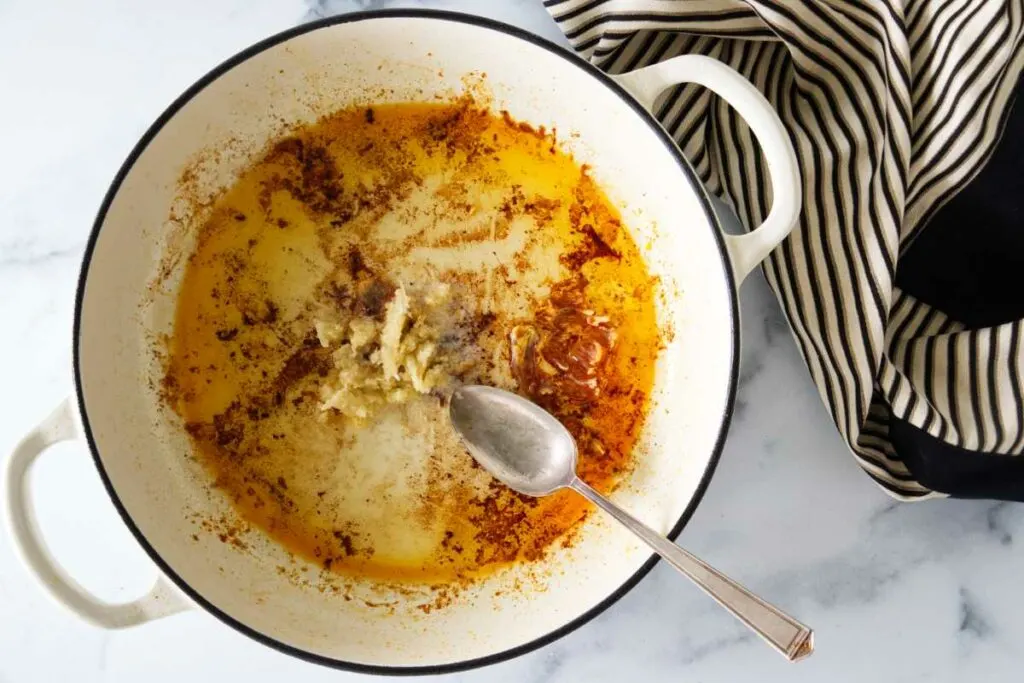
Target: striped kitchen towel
(904, 282)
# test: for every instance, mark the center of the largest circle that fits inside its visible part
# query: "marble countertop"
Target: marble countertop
(923, 592)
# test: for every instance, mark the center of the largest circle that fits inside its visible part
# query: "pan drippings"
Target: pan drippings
(292, 281)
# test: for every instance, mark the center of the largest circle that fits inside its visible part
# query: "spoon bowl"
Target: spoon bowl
(514, 439)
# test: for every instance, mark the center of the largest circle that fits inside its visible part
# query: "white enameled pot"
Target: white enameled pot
(298, 76)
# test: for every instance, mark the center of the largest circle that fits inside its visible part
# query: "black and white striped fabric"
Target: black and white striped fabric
(893, 107)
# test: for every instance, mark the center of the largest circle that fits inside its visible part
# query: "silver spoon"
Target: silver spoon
(530, 451)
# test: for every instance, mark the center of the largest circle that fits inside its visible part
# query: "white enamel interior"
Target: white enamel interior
(399, 58)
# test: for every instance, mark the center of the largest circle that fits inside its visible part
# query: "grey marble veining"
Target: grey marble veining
(925, 592)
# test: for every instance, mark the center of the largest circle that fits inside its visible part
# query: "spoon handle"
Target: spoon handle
(791, 638)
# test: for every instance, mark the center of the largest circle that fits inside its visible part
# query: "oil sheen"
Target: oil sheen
(407, 195)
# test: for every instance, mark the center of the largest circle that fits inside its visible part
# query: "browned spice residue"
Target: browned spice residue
(328, 226)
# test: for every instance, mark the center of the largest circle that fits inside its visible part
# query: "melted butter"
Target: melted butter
(420, 192)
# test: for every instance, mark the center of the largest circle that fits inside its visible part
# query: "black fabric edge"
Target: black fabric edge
(955, 471)
(158, 125)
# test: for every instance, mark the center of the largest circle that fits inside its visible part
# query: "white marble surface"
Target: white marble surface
(929, 592)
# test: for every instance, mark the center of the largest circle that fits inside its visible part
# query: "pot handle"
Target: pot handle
(745, 251)
(162, 599)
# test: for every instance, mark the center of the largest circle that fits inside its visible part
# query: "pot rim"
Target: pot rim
(587, 69)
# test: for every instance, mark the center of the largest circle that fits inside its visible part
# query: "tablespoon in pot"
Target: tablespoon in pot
(533, 453)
